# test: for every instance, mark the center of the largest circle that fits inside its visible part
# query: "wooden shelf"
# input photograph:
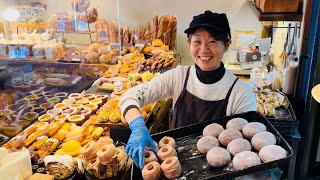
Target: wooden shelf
(73, 32)
(274, 16)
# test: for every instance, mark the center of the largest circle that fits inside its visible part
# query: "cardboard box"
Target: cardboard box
(279, 5)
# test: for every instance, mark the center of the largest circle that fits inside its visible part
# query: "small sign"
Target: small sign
(103, 36)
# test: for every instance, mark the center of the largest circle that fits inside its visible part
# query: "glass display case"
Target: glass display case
(49, 50)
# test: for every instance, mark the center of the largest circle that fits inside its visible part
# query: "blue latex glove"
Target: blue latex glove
(138, 140)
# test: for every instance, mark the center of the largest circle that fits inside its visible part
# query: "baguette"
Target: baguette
(161, 28)
(155, 27)
(173, 34)
(167, 36)
(147, 32)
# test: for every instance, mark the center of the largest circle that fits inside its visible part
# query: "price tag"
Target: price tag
(103, 36)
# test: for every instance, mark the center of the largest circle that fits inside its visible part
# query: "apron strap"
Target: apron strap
(226, 100)
(186, 80)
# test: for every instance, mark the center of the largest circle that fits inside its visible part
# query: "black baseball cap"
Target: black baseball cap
(210, 21)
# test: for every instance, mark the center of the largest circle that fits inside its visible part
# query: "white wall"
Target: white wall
(137, 12)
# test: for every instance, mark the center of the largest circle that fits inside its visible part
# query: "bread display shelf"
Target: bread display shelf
(73, 32)
(274, 16)
(195, 165)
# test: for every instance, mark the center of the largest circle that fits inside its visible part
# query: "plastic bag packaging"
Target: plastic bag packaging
(16, 165)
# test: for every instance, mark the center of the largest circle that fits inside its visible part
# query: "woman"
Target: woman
(201, 92)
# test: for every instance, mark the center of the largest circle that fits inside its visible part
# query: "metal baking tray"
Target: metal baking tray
(195, 166)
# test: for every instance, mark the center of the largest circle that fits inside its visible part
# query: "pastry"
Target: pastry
(151, 171)
(171, 167)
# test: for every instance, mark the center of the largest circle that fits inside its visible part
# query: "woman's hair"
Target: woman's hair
(217, 35)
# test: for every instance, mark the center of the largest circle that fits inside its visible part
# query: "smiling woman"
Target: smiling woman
(201, 92)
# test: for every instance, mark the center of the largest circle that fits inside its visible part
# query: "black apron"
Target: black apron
(189, 109)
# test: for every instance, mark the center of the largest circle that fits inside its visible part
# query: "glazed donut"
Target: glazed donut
(104, 141)
(171, 167)
(149, 156)
(151, 171)
(166, 151)
(167, 140)
(89, 150)
(106, 153)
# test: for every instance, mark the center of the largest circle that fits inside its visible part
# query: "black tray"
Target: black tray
(195, 166)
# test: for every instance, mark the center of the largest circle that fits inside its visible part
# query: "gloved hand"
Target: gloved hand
(138, 140)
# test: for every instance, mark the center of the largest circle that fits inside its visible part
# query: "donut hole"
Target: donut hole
(166, 141)
(150, 167)
(103, 149)
(168, 161)
(165, 150)
(147, 154)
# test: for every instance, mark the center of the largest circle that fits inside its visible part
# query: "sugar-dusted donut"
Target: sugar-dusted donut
(89, 150)
(252, 128)
(272, 153)
(228, 135)
(167, 141)
(171, 167)
(151, 171)
(218, 157)
(238, 145)
(205, 143)
(213, 129)
(106, 153)
(245, 159)
(262, 139)
(104, 141)
(149, 156)
(236, 123)
(166, 151)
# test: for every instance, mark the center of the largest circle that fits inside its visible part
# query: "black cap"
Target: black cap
(210, 21)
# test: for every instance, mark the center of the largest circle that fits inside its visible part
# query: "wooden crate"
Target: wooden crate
(279, 5)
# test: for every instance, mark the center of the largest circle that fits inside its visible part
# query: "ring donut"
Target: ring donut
(149, 156)
(171, 167)
(104, 141)
(166, 151)
(89, 150)
(167, 141)
(148, 146)
(106, 153)
(151, 171)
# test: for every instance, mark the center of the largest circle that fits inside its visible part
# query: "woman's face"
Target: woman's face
(206, 52)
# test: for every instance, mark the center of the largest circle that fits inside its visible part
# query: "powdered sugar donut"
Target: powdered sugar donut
(262, 139)
(171, 167)
(253, 128)
(167, 141)
(213, 129)
(151, 171)
(205, 143)
(218, 157)
(236, 123)
(238, 145)
(271, 153)
(245, 159)
(228, 135)
(166, 151)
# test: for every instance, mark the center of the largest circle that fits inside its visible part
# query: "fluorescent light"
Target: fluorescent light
(11, 14)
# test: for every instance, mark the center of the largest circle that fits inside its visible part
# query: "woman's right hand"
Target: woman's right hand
(138, 140)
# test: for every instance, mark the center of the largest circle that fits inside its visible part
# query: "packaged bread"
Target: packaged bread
(126, 35)
(38, 51)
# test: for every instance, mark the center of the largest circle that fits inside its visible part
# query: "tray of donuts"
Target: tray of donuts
(223, 148)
